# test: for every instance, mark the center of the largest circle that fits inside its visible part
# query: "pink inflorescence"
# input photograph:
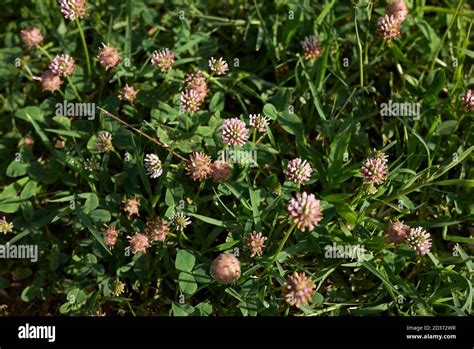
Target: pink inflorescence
(29, 141)
(311, 47)
(305, 211)
(128, 93)
(388, 27)
(399, 9)
(225, 268)
(199, 166)
(62, 65)
(258, 122)
(139, 243)
(255, 243)
(108, 56)
(397, 232)
(220, 171)
(157, 229)
(50, 81)
(196, 82)
(234, 132)
(468, 100)
(420, 240)
(73, 9)
(299, 289)
(190, 101)
(31, 37)
(375, 170)
(110, 236)
(131, 207)
(163, 59)
(298, 171)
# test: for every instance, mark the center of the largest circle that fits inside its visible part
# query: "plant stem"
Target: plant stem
(84, 44)
(74, 89)
(44, 52)
(280, 247)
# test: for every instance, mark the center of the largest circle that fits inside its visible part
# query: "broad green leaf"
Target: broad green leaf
(185, 260)
(270, 111)
(187, 283)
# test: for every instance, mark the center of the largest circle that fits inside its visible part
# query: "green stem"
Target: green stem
(131, 309)
(280, 247)
(181, 238)
(260, 138)
(117, 154)
(361, 55)
(30, 74)
(44, 52)
(84, 44)
(102, 83)
(74, 88)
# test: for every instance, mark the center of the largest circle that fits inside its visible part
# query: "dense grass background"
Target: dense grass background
(335, 124)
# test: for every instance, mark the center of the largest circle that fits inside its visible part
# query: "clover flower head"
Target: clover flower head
(221, 171)
(234, 132)
(374, 170)
(62, 65)
(397, 232)
(255, 243)
(299, 289)
(180, 221)
(399, 9)
(157, 229)
(196, 82)
(468, 101)
(104, 142)
(163, 59)
(219, 66)
(50, 81)
(311, 47)
(118, 288)
(128, 93)
(190, 101)
(199, 166)
(153, 165)
(31, 37)
(258, 122)
(108, 56)
(110, 236)
(73, 9)
(139, 243)
(420, 240)
(388, 27)
(5, 226)
(298, 171)
(304, 210)
(225, 268)
(131, 207)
